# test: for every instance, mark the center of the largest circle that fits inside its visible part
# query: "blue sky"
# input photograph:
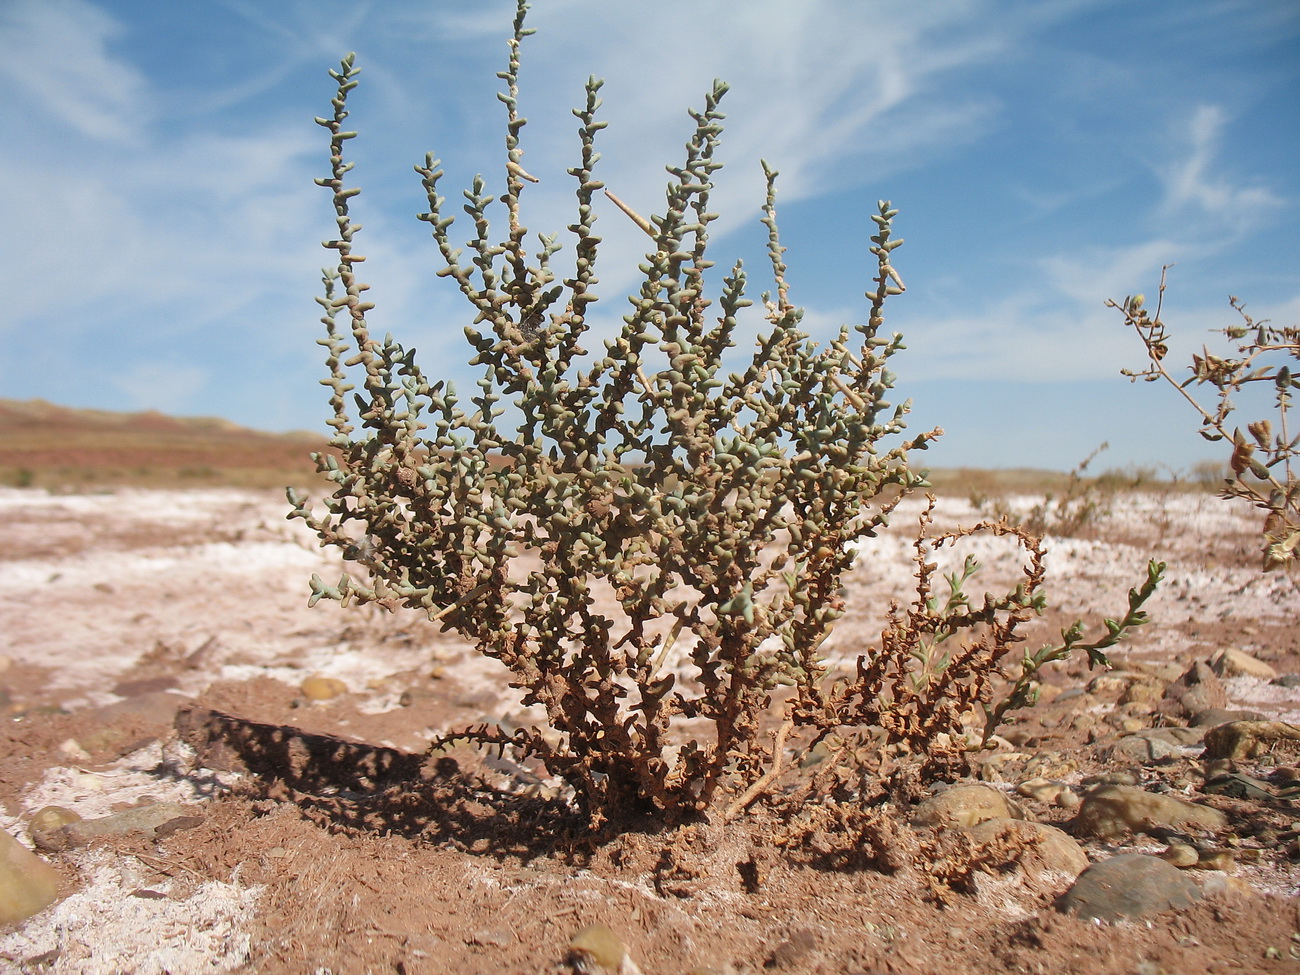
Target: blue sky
(163, 231)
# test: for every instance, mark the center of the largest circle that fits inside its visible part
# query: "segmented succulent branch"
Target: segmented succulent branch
(656, 539)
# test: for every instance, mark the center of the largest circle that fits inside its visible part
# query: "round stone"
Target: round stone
(1112, 810)
(1181, 855)
(1042, 848)
(45, 823)
(28, 884)
(965, 805)
(318, 688)
(1130, 885)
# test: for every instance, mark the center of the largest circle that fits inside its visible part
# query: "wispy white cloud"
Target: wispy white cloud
(830, 93)
(1198, 180)
(169, 229)
(57, 51)
(1095, 272)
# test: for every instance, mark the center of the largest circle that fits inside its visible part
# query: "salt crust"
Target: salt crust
(103, 929)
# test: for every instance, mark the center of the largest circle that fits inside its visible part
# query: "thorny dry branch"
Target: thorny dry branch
(1262, 464)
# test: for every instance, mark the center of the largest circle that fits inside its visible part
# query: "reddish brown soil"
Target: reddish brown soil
(119, 609)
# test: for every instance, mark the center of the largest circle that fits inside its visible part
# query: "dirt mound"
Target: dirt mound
(42, 444)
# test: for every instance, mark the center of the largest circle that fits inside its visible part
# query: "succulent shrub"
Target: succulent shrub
(656, 545)
(1262, 464)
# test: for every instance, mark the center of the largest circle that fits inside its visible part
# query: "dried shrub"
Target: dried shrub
(1261, 466)
(938, 658)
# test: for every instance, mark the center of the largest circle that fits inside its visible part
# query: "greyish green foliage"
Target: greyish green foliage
(635, 509)
(658, 544)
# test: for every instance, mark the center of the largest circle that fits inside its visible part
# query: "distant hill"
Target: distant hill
(46, 445)
(43, 444)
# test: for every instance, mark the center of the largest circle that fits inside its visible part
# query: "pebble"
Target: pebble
(146, 819)
(1039, 846)
(1113, 810)
(1044, 790)
(1047, 693)
(1049, 790)
(1287, 680)
(28, 884)
(1212, 717)
(1247, 739)
(72, 749)
(1116, 682)
(1143, 750)
(1144, 690)
(1130, 885)
(1181, 855)
(1236, 663)
(598, 949)
(317, 688)
(1218, 884)
(45, 822)
(1068, 799)
(1219, 860)
(965, 805)
(1199, 689)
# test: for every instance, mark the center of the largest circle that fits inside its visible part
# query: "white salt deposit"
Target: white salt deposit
(109, 926)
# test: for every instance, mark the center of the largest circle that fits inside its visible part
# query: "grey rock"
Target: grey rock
(1130, 885)
(1249, 739)
(1111, 778)
(1238, 786)
(1287, 680)
(1143, 750)
(1213, 717)
(146, 819)
(1198, 689)
(1113, 810)
(125, 726)
(1182, 737)
(1155, 744)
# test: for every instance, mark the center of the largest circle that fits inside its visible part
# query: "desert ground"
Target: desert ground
(157, 649)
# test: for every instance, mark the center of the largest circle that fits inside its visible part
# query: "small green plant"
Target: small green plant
(1082, 501)
(1261, 467)
(658, 546)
